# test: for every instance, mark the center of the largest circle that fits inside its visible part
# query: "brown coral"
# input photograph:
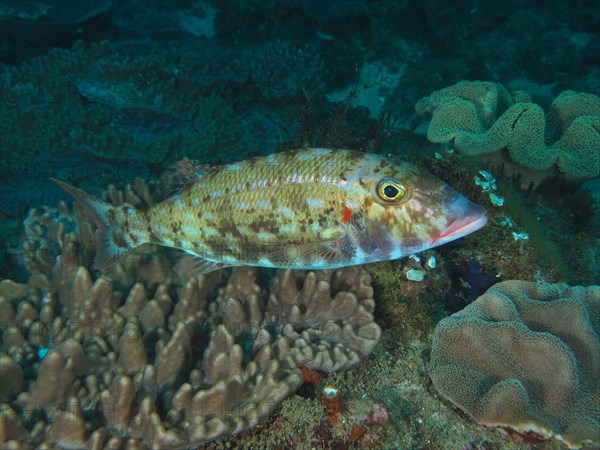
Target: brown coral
(525, 356)
(158, 363)
(483, 117)
(345, 297)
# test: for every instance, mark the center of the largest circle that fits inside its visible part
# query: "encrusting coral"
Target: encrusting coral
(483, 117)
(280, 70)
(139, 358)
(161, 103)
(525, 356)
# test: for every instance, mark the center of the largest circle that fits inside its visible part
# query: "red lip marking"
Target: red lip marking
(461, 228)
(451, 231)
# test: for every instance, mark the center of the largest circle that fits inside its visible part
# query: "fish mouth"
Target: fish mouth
(472, 218)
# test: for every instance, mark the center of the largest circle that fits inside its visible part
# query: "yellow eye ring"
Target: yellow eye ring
(391, 190)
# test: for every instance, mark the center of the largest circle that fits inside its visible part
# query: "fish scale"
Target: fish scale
(309, 209)
(278, 186)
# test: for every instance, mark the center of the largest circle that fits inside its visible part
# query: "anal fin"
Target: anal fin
(189, 265)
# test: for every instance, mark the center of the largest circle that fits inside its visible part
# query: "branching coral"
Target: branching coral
(139, 358)
(483, 117)
(525, 356)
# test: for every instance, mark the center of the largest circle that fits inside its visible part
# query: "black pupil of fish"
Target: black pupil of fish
(390, 191)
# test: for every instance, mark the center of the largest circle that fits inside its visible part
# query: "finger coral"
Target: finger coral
(525, 356)
(483, 117)
(345, 297)
(142, 359)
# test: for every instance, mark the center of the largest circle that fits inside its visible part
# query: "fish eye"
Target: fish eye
(392, 190)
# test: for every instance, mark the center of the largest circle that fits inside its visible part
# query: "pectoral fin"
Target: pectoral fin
(334, 247)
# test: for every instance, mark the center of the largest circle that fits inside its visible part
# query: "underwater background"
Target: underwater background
(488, 342)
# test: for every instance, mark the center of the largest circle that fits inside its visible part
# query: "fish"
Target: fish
(312, 209)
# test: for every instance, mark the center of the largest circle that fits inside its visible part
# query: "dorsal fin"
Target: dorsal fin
(181, 173)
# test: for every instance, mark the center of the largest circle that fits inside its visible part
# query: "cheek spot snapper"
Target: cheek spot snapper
(283, 211)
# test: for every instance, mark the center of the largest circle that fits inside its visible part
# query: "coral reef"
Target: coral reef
(394, 381)
(525, 356)
(375, 83)
(345, 298)
(116, 102)
(470, 280)
(137, 357)
(395, 376)
(52, 11)
(280, 70)
(350, 420)
(158, 22)
(100, 92)
(412, 307)
(483, 117)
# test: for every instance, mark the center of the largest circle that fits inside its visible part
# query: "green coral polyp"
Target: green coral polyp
(483, 117)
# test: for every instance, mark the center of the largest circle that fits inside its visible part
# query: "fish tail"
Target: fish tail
(113, 237)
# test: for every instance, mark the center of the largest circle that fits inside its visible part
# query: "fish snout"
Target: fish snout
(464, 217)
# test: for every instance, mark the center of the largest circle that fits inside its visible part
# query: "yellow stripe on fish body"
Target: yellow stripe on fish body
(310, 209)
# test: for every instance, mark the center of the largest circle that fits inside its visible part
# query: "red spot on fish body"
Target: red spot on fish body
(346, 214)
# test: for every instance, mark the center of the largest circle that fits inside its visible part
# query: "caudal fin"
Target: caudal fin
(112, 241)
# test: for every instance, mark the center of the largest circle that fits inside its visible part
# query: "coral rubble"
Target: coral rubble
(525, 356)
